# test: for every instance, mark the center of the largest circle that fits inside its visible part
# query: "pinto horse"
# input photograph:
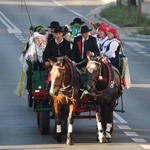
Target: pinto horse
(64, 90)
(104, 85)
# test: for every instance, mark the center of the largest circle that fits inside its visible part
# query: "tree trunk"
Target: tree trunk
(119, 3)
(133, 2)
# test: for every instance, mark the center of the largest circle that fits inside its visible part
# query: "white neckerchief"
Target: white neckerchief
(58, 42)
(83, 48)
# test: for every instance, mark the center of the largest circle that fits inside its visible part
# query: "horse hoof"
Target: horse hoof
(108, 137)
(69, 141)
(101, 140)
(100, 137)
(57, 137)
(108, 140)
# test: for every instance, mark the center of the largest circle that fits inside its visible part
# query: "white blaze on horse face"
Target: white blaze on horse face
(55, 75)
(92, 66)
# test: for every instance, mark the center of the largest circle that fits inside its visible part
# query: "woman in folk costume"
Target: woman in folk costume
(102, 37)
(36, 48)
(112, 47)
(83, 43)
(95, 27)
(34, 55)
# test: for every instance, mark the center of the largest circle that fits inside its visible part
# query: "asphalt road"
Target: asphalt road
(18, 127)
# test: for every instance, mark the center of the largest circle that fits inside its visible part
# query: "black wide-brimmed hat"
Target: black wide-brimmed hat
(58, 29)
(85, 29)
(65, 29)
(53, 24)
(77, 20)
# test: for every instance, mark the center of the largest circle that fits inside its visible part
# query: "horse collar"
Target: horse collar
(110, 85)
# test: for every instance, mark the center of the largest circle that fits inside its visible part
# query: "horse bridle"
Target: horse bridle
(93, 61)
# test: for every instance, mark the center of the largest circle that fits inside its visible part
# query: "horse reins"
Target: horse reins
(89, 77)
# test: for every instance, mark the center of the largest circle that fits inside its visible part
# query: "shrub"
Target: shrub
(121, 17)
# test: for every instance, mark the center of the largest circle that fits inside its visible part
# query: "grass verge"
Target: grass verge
(122, 17)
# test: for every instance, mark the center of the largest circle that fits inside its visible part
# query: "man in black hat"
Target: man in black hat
(56, 47)
(82, 44)
(52, 26)
(77, 20)
(66, 32)
(75, 28)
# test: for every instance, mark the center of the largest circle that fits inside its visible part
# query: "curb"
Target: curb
(127, 36)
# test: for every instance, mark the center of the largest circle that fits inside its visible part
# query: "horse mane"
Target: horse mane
(69, 71)
(72, 76)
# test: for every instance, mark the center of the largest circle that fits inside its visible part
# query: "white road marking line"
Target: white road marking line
(124, 127)
(139, 140)
(23, 40)
(148, 55)
(8, 83)
(93, 11)
(19, 36)
(11, 28)
(33, 146)
(59, 4)
(142, 52)
(145, 146)
(119, 118)
(114, 121)
(137, 49)
(131, 133)
(74, 12)
(135, 45)
(141, 85)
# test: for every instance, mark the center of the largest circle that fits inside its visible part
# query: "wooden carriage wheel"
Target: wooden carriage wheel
(43, 117)
(30, 99)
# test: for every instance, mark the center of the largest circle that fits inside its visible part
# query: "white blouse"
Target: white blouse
(113, 45)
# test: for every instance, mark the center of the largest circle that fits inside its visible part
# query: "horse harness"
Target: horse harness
(110, 85)
(66, 91)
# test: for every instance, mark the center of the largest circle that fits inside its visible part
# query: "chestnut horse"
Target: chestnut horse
(64, 90)
(104, 85)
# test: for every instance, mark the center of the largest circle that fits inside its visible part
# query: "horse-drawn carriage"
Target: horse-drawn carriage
(64, 99)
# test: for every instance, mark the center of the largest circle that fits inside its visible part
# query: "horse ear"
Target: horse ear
(88, 55)
(61, 61)
(99, 58)
(52, 60)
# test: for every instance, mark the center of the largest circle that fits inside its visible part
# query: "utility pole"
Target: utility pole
(139, 12)
(119, 3)
(129, 8)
